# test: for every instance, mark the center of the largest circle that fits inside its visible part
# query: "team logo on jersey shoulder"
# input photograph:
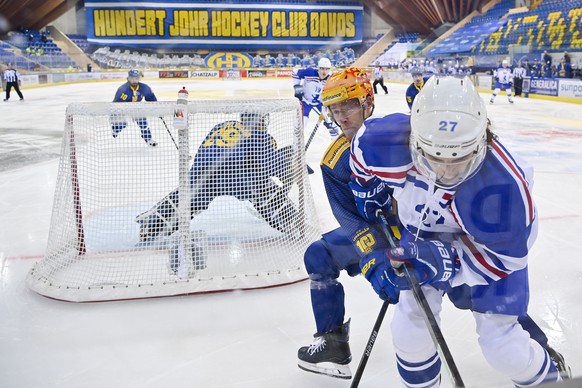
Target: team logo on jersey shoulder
(226, 134)
(335, 151)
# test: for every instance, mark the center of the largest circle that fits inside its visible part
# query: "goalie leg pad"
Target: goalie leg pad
(161, 220)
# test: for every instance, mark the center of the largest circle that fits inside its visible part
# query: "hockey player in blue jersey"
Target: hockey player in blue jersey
(308, 84)
(134, 91)
(342, 248)
(237, 158)
(466, 204)
(418, 81)
(503, 79)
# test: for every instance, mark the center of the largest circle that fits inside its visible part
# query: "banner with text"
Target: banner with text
(181, 23)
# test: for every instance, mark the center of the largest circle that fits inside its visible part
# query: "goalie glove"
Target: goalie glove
(371, 199)
(431, 261)
(298, 92)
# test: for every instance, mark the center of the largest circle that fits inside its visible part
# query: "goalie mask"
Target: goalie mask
(448, 138)
(254, 121)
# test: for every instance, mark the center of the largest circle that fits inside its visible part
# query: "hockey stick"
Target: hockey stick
(319, 121)
(429, 318)
(169, 133)
(370, 345)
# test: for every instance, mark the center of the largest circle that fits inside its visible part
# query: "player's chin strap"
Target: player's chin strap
(423, 306)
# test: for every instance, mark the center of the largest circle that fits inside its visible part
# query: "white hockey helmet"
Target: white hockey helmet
(324, 63)
(448, 138)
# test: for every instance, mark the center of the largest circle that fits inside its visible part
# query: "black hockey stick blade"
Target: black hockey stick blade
(370, 345)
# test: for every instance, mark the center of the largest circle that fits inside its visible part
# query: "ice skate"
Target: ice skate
(558, 359)
(492, 101)
(151, 142)
(329, 354)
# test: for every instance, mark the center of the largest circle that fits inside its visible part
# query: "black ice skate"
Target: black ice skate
(558, 359)
(329, 354)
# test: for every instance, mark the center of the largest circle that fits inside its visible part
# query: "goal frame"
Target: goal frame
(41, 277)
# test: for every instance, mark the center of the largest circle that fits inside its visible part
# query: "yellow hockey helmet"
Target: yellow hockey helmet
(346, 85)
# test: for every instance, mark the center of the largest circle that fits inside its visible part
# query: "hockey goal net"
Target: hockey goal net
(222, 204)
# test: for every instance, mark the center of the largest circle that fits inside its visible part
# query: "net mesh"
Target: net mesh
(144, 209)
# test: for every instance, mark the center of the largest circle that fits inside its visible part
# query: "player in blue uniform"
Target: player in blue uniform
(467, 207)
(416, 86)
(237, 158)
(503, 79)
(308, 84)
(341, 248)
(134, 91)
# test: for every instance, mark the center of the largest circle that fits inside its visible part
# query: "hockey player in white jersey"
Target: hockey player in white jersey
(466, 204)
(308, 84)
(503, 79)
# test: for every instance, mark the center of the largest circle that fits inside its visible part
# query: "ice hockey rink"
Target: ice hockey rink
(249, 339)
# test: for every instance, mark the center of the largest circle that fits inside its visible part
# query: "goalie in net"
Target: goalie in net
(237, 158)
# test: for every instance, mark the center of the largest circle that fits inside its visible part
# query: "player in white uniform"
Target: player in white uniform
(467, 208)
(308, 84)
(503, 79)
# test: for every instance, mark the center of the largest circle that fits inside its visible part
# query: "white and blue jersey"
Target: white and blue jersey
(490, 218)
(312, 88)
(503, 77)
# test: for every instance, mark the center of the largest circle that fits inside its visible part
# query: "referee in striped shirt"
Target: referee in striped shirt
(12, 79)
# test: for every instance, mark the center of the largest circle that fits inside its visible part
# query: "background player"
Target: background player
(308, 84)
(503, 79)
(418, 81)
(237, 158)
(342, 248)
(466, 205)
(134, 91)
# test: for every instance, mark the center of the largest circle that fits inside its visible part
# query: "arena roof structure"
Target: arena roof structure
(403, 15)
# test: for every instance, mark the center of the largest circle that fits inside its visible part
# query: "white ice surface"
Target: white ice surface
(250, 339)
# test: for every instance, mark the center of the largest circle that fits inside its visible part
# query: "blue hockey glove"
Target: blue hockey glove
(431, 261)
(369, 199)
(298, 91)
(378, 270)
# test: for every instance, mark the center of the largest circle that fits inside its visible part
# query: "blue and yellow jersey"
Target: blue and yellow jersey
(335, 168)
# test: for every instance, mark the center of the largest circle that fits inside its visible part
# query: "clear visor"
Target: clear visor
(447, 173)
(344, 108)
(133, 80)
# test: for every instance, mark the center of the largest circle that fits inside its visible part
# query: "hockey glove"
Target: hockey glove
(377, 270)
(430, 261)
(298, 92)
(372, 198)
